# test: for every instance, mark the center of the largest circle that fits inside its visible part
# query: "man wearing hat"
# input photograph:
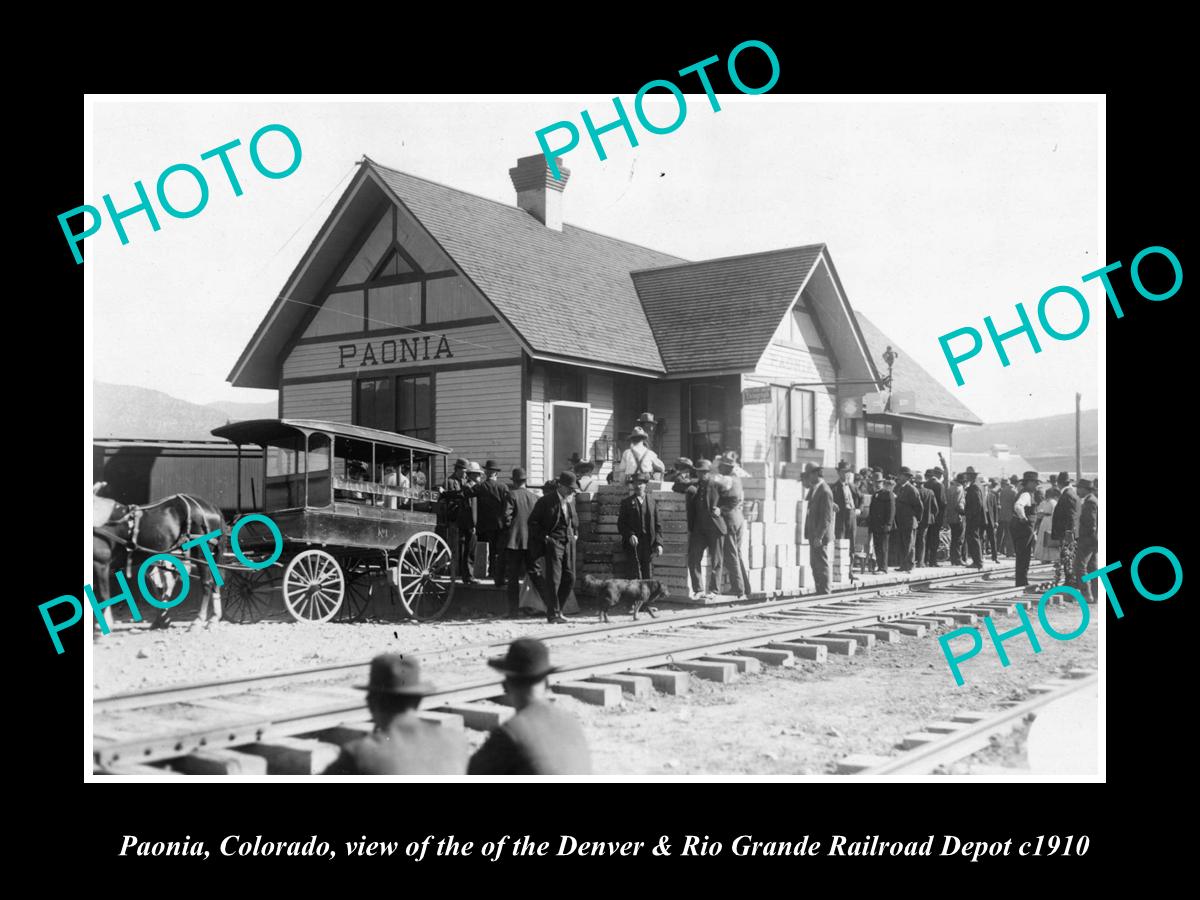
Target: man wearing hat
(1008, 498)
(881, 519)
(908, 513)
(1064, 525)
(976, 518)
(991, 499)
(540, 739)
(706, 528)
(583, 469)
(933, 533)
(491, 524)
(517, 562)
(1022, 525)
(731, 499)
(1086, 542)
(637, 521)
(466, 517)
(450, 513)
(847, 499)
(553, 528)
(819, 524)
(930, 510)
(681, 471)
(638, 457)
(956, 507)
(402, 744)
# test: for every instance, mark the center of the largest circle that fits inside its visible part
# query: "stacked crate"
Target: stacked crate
(774, 549)
(600, 553)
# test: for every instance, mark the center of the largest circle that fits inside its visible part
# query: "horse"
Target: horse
(127, 535)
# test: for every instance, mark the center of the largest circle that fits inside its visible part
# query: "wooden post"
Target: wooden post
(1079, 472)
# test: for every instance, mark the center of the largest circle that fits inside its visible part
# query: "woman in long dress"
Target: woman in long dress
(1045, 516)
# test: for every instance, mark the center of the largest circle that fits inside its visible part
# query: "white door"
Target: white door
(566, 427)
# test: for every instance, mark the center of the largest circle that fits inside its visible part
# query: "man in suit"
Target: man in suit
(402, 744)
(847, 499)
(730, 500)
(927, 524)
(1086, 541)
(517, 565)
(1022, 525)
(991, 499)
(553, 528)
(468, 517)
(1064, 525)
(976, 518)
(637, 521)
(706, 527)
(1008, 496)
(933, 533)
(449, 502)
(881, 520)
(956, 506)
(908, 514)
(819, 525)
(491, 497)
(541, 739)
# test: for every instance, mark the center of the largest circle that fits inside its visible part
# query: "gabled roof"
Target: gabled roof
(721, 313)
(933, 401)
(542, 281)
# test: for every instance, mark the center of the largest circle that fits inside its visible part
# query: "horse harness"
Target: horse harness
(133, 518)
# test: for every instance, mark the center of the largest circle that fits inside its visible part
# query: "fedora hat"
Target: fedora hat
(684, 463)
(527, 658)
(646, 418)
(1031, 476)
(1085, 484)
(905, 470)
(1064, 478)
(583, 467)
(703, 465)
(567, 479)
(574, 459)
(843, 466)
(394, 673)
(460, 464)
(473, 468)
(638, 478)
(490, 466)
(518, 475)
(638, 432)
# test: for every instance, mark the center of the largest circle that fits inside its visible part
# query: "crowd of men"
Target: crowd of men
(539, 739)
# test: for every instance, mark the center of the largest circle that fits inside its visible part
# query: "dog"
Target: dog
(639, 593)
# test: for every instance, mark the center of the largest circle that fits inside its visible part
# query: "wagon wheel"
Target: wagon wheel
(313, 586)
(360, 588)
(425, 576)
(248, 595)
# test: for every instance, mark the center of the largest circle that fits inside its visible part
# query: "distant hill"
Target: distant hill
(122, 410)
(1048, 443)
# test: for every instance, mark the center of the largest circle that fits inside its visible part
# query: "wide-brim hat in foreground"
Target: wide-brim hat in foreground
(394, 673)
(490, 466)
(527, 658)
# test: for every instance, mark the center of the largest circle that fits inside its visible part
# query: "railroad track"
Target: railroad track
(232, 725)
(942, 743)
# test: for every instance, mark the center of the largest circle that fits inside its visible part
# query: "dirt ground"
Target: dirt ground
(801, 721)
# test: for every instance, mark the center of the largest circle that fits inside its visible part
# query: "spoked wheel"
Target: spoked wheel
(360, 588)
(313, 586)
(425, 576)
(248, 596)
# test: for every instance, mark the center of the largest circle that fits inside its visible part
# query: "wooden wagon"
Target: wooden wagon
(356, 508)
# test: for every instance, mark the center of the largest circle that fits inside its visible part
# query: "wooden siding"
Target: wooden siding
(535, 466)
(663, 399)
(479, 414)
(600, 417)
(784, 364)
(475, 343)
(921, 442)
(328, 400)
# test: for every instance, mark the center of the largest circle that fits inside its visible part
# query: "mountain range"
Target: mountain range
(1048, 442)
(125, 411)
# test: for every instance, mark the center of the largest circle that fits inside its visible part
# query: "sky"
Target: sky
(936, 214)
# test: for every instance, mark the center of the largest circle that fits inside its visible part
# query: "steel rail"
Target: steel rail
(225, 686)
(251, 729)
(971, 738)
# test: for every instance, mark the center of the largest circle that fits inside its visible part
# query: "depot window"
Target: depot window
(400, 403)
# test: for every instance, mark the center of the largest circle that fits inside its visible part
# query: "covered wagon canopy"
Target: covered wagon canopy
(266, 431)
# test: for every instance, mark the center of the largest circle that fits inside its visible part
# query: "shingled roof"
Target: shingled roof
(691, 307)
(541, 280)
(932, 399)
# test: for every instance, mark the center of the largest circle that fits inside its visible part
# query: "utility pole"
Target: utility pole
(1078, 466)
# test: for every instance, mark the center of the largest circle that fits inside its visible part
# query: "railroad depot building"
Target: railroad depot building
(507, 334)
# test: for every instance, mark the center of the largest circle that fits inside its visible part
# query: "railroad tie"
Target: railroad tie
(856, 762)
(221, 761)
(771, 657)
(593, 692)
(882, 635)
(295, 756)
(907, 629)
(814, 652)
(636, 686)
(865, 641)
(844, 646)
(746, 665)
(481, 715)
(722, 672)
(916, 739)
(665, 681)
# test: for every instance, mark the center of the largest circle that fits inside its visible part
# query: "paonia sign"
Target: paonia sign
(392, 350)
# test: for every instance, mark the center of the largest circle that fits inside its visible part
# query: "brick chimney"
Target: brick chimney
(538, 192)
